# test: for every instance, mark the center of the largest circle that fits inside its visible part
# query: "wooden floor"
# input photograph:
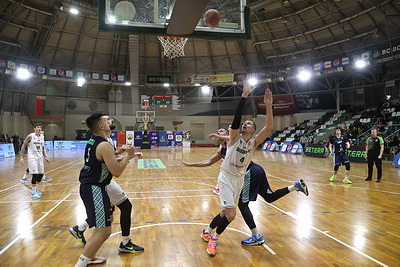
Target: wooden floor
(337, 225)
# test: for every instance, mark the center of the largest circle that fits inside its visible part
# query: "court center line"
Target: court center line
(19, 235)
(162, 224)
(292, 215)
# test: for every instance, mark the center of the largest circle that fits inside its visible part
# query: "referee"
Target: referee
(373, 154)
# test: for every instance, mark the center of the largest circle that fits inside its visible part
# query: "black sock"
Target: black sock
(214, 223)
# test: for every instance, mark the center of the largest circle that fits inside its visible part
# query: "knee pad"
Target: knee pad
(347, 166)
(336, 168)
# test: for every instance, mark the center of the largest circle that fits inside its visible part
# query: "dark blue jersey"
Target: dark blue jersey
(338, 144)
(94, 172)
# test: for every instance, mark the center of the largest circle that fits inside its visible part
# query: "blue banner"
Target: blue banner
(48, 145)
(270, 146)
(292, 148)
(114, 137)
(170, 138)
(162, 138)
(63, 145)
(153, 138)
(7, 150)
(138, 138)
(178, 138)
(396, 160)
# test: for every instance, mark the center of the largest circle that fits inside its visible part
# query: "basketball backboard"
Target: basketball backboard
(145, 116)
(182, 18)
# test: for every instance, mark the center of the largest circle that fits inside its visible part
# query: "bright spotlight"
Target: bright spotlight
(360, 64)
(80, 82)
(74, 11)
(197, 84)
(253, 81)
(23, 74)
(128, 83)
(304, 75)
(112, 19)
(166, 84)
(205, 89)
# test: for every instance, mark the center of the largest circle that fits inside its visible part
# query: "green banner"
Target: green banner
(150, 164)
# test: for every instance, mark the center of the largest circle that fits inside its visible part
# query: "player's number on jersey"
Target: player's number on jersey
(241, 160)
(88, 154)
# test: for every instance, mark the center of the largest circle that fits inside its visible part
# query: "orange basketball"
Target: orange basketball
(212, 17)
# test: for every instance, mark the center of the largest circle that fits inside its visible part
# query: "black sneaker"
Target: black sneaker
(130, 248)
(378, 181)
(368, 179)
(78, 234)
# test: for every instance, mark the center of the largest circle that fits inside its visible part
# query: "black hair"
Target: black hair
(93, 120)
(37, 124)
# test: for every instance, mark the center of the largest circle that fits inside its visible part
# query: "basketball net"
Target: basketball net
(173, 46)
(145, 121)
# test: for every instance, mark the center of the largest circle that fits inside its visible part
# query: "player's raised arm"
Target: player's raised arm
(234, 130)
(269, 119)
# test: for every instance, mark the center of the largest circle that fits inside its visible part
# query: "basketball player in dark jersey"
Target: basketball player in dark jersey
(338, 145)
(100, 164)
(255, 183)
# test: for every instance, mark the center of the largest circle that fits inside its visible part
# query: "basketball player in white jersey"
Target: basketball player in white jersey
(36, 156)
(240, 150)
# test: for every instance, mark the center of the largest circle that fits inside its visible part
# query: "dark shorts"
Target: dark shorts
(340, 159)
(255, 181)
(97, 204)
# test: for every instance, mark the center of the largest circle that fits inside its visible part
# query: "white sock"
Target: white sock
(83, 226)
(346, 177)
(125, 240)
(292, 188)
(215, 236)
(255, 232)
(208, 230)
(82, 261)
(24, 176)
(34, 191)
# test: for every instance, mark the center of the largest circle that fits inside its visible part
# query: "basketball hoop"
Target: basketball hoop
(173, 46)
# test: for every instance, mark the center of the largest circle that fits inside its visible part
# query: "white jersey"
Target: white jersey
(238, 157)
(36, 146)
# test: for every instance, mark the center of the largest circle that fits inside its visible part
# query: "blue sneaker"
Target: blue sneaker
(302, 187)
(38, 192)
(253, 240)
(35, 196)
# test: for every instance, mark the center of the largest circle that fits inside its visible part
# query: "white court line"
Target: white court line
(64, 165)
(19, 235)
(162, 224)
(328, 235)
(10, 187)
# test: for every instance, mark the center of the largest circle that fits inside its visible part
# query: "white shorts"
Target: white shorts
(229, 190)
(116, 194)
(36, 166)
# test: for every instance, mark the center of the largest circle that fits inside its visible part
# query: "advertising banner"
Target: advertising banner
(114, 137)
(282, 105)
(356, 154)
(7, 150)
(396, 160)
(316, 150)
(64, 145)
(178, 138)
(48, 145)
(138, 138)
(121, 138)
(270, 146)
(170, 138)
(129, 137)
(292, 148)
(153, 138)
(162, 138)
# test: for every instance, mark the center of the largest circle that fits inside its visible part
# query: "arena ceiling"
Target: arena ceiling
(285, 33)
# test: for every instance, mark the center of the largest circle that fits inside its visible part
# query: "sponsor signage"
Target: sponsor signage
(178, 138)
(292, 148)
(316, 150)
(7, 150)
(158, 79)
(170, 138)
(64, 145)
(162, 138)
(218, 78)
(153, 138)
(121, 138)
(282, 105)
(48, 145)
(396, 160)
(356, 154)
(270, 146)
(138, 135)
(129, 137)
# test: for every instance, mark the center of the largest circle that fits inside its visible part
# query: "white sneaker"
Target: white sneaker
(97, 260)
(47, 179)
(24, 179)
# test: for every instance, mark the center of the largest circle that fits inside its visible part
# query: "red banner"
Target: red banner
(282, 105)
(121, 138)
(39, 105)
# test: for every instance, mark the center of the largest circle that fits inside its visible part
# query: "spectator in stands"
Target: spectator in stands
(303, 139)
(15, 141)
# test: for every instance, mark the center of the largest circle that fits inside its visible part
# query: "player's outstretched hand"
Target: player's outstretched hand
(247, 88)
(268, 97)
(138, 155)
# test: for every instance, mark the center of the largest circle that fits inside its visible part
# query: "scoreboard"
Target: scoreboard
(161, 102)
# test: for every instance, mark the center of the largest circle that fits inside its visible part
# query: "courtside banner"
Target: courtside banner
(170, 138)
(178, 138)
(153, 138)
(292, 148)
(356, 154)
(162, 138)
(396, 160)
(138, 136)
(270, 146)
(7, 150)
(316, 150)
(48, 145)
(121, 138)
(129, 137)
